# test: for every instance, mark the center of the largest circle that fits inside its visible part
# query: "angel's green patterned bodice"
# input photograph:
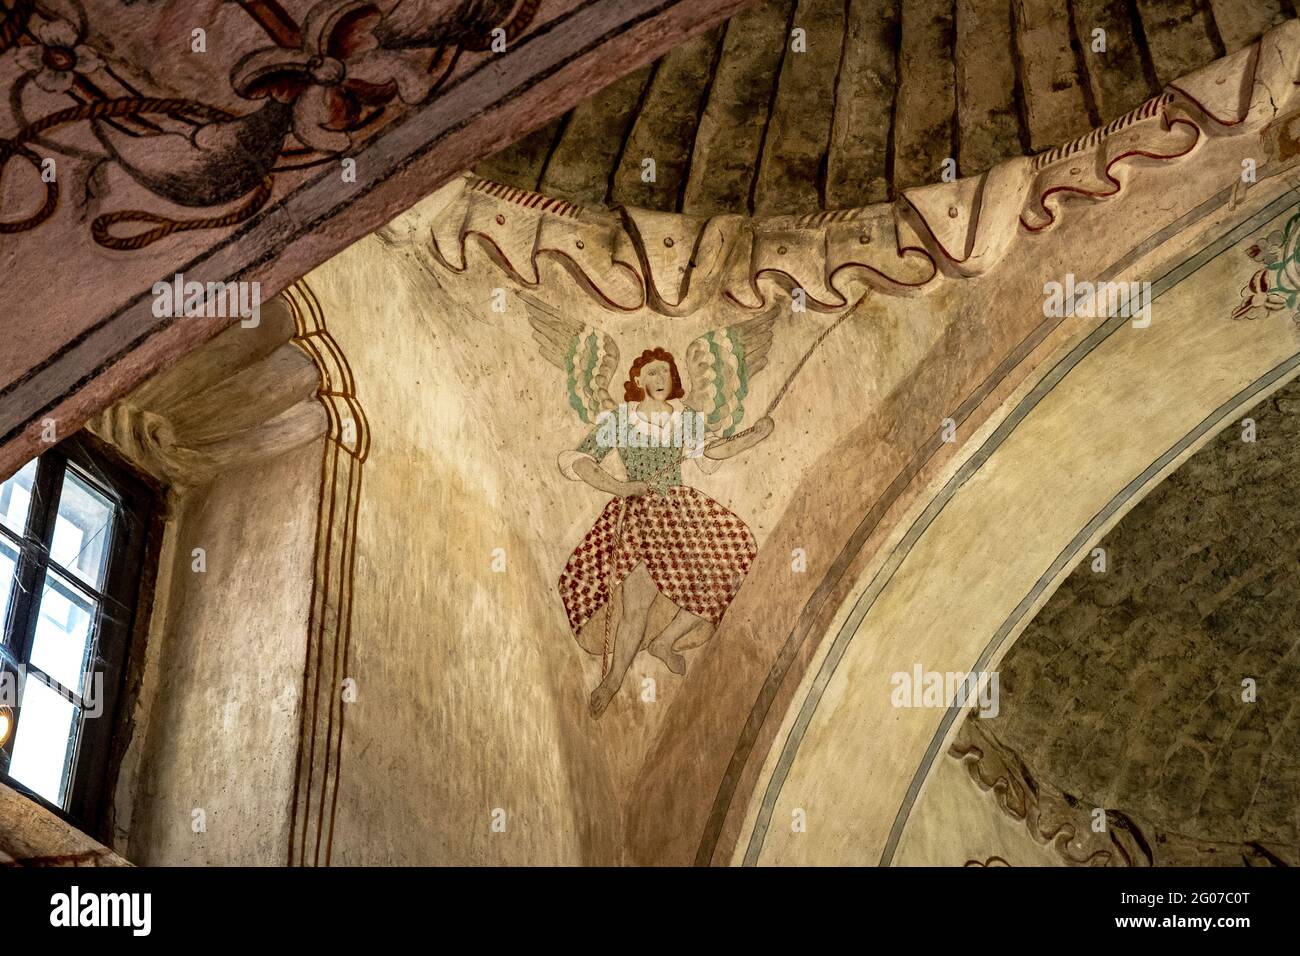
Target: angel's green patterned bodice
(656, 462)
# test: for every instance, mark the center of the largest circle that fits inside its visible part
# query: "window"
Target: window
(73, 531)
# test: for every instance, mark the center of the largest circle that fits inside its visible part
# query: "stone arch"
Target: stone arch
(1110, 415)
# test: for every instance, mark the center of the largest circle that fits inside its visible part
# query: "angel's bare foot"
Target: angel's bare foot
(600, 698)
(663, 649)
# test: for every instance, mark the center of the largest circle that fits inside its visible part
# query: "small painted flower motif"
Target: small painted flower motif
(1257, 300)
(1277, 285)
(341, 76)
(54, 61)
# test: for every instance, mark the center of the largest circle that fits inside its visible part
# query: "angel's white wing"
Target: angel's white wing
(588, 358)
(720, 365)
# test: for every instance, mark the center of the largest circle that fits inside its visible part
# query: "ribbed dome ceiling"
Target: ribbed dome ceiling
(737, 121)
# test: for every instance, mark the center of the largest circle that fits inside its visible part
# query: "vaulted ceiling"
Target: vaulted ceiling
(739, 121)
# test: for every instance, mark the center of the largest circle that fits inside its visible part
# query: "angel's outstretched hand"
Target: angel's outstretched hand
(727, 447)
(763, 427)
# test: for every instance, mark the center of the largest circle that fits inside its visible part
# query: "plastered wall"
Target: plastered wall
(216, 731)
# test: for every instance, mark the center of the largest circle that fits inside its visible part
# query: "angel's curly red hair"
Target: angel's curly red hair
(632, 392)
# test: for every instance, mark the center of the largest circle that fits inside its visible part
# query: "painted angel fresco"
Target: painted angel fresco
(663, 560)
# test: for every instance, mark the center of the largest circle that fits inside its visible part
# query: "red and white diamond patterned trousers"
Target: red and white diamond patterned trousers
(697, 552)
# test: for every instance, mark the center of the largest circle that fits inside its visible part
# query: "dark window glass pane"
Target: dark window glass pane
(8, 580)
(42, 750)
(64, 629)
(82, 530)
(16, 497)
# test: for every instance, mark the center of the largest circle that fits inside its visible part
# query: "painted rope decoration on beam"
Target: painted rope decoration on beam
(324, 85)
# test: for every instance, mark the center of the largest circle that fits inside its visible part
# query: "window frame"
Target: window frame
(127, 584)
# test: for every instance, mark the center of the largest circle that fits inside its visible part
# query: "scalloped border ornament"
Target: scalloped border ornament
(629, 259)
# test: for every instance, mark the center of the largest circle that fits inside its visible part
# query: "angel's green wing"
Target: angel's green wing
(720, 364)
(588, 358)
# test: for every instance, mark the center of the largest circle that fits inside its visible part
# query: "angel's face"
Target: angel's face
(656, 380)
